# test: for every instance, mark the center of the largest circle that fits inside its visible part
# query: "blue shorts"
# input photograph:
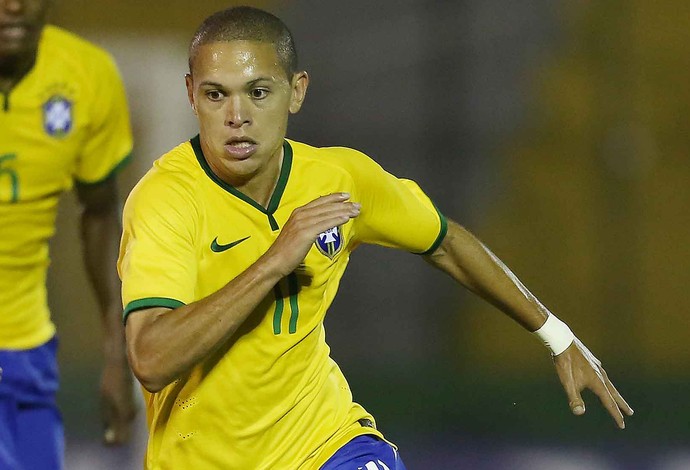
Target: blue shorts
(365, 453)
(31, 433)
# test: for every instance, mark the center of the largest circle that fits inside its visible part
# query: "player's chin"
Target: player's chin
(12, 50)
(242, 168)
(18, 46)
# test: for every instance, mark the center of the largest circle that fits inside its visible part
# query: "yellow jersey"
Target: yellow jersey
(272, 398)
(65, 121)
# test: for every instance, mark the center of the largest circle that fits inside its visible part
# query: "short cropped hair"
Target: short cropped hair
(247, 24)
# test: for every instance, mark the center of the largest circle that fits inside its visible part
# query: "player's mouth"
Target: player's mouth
(240, 148)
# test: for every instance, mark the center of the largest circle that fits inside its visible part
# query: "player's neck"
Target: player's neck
(261, 186)
(14, 68)
(258, 185)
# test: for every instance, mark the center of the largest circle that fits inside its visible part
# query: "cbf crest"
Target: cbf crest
(330, 242)
(57, 116)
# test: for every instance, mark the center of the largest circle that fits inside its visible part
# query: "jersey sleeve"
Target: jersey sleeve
(395, 212)
(157, 261)
(109, 141)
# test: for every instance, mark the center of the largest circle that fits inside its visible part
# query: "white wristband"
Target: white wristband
(555, 334)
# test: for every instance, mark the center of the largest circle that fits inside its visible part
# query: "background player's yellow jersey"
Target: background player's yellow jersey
(272, 398)
(66, 120)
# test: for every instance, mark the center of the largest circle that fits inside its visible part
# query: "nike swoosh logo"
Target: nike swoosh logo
(218, 248)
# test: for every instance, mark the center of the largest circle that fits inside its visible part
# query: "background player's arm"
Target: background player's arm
(471, 264)
(164, 344)
(100, 231)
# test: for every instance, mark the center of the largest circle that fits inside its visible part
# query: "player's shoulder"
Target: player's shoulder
(172, 179)
(59, 40)
(346, 159)
(72, 51)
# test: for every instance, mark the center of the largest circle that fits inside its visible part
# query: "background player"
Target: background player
(231, 255)
(63, 120)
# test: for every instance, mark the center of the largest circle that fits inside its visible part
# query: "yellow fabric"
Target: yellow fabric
(273, 398)
(66, 120)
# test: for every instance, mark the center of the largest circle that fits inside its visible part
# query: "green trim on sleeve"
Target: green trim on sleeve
(123, 163)
(150, 302)
(441, 235)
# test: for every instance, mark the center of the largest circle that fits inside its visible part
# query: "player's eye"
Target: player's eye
(259, 93)
(214, 95)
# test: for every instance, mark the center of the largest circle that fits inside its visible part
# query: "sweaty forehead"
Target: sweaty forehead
(246, 58)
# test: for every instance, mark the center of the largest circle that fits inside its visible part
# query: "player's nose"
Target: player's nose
(237, 113)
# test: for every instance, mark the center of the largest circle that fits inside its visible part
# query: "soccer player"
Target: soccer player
(63, 122)
(234, 244)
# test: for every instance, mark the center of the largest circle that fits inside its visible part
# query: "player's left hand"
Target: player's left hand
(118, 407)
(578, 369)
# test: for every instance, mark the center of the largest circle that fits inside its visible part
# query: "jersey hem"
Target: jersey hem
(34, 340)
(335, 446)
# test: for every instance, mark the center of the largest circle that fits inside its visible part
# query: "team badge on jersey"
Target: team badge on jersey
(57, 116)
(330, 242)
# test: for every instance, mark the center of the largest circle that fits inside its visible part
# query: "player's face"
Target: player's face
(21, 22)
(242, 98)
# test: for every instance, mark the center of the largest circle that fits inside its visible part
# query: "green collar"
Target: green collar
(273, 203)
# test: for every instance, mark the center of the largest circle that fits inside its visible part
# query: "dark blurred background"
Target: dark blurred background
(556, 131)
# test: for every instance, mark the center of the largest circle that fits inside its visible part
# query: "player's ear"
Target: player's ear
(189, 82)
(299, 83)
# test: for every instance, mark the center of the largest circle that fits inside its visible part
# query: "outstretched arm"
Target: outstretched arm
(100, 230)
(474, 266)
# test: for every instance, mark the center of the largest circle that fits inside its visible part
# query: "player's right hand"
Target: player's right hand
(305, 224)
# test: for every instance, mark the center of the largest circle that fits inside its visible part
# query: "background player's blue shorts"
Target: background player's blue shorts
(365, 453)
(31, 434)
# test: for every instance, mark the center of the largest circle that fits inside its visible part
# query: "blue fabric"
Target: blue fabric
(365, 453)
(31, 432)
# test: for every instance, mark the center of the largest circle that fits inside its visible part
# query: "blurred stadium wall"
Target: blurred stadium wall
(555, 131)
